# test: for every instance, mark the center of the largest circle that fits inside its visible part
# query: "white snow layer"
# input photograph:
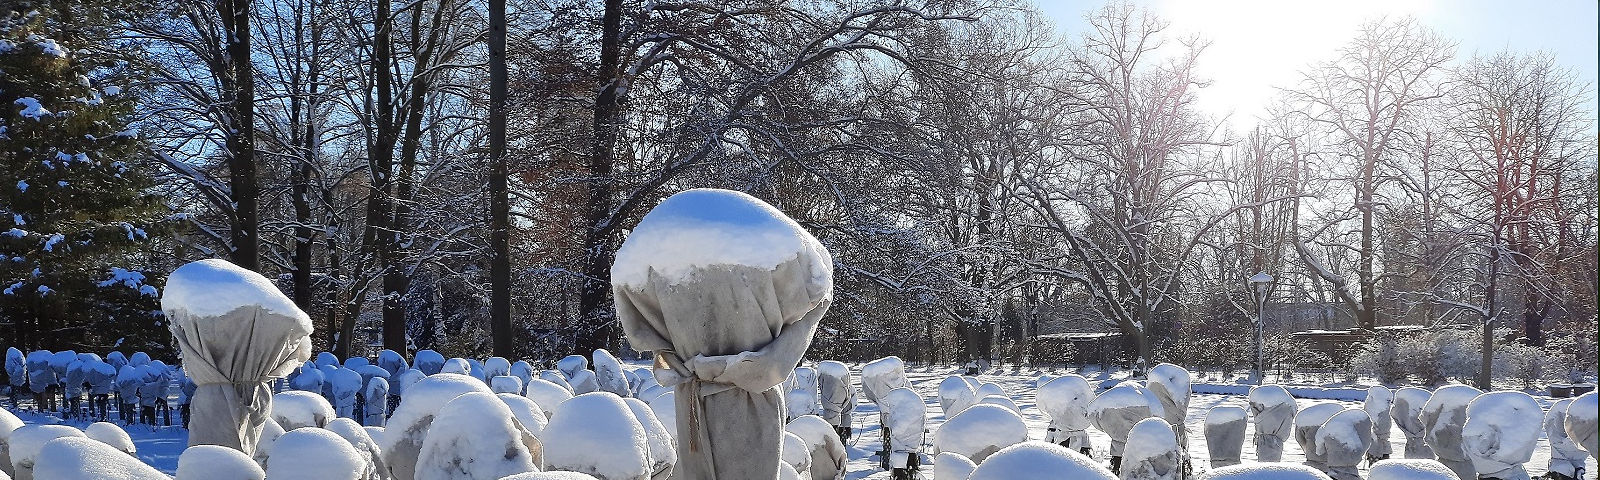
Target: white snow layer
(111, 434)
(1501, 432)
(294, 409)
(608, 374)
(1583, 416)
(596, 433)
(882, 375)
(956, 395)
(745, 230)
(1039, 461)
(78, 458)
(474, 436)
(980, 431)
(1410, 469)
(312, 452)
(952, 465)
(404, 435)
(663, 446)
(547, 395)
(216, 462)
(1152, 452)
(528, 413)
(214, 287)
(26, 442)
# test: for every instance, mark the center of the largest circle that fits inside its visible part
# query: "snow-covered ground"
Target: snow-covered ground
(161, 446)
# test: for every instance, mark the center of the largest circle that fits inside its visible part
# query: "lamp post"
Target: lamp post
(1262, 284)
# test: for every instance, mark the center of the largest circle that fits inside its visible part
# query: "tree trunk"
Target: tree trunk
(239, 88)
(596, 322)
(379, 236)
(499, 197)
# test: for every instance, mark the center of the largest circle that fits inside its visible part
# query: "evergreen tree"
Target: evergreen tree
(76, 209)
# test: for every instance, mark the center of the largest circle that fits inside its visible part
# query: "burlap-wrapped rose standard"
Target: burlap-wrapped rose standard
(236, 332)
(727, 292)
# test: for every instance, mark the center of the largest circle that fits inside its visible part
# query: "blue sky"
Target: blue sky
(1261, 44)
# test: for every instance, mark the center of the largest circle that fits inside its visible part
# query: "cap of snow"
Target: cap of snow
(955, 395)
(952, 465)
(1115, 411)
(1407, 403)
(1502, 430)
(547, 395)
(1265, 471)
(882, 375)
(556, 377)
(391, 361)
(78, 458)
(26, 442)
(1039, 461)
(787, 472)
(294, 409)
(571, 364)
(1000, 400)
(1224, 414)
(400, 382)
(609, 375)
(216, 462)
(596, 433)
(795, 452)
(980, 431)
(1410, 469)
(214, 287)
(270, 431)
(550, 476)
(1344, 438)
(496, 366)
(1583, 416)
(408, 425)
(315, 453)
(474, 436)
(1152, 451)
(458, 366)
(987, 389)
(428, 361)
(528, 414)
(355, 363)
(357, 435)
(505, 384)
(8, 423)
(663, 446)
(1311, 418)
(1270, 395)
(326, 358)
(704, 227)
(1066, 400)
(110, 434)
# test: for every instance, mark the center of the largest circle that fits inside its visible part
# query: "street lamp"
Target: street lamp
(1263, 284)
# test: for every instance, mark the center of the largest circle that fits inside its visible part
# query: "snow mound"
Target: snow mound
(496, 366)
(1342, 441)
(392, 361)
(1442, 419)
(316, 453)
(1265, 471)
(571, 364)
(216, 462)
(28, 440)
(428, 361)
(738, 229)
(294, 409)
(980, 431)
(583, 382)
(1001, 400)
(1566, 457)
(214, 287)
(665, 406)
(1115, 411)
(1583, 418)
(828, 456)
(528, 414)
(795, 452)
(558, 378)
(787, 472)
(955, 395)
(663, 446)
(354, 433)
(547, 395)
(78, 458)
(803, 398)
(1066, 400)
(609, 375)
(906, 418)
(1152, 452)
(403, 437)
(1410, 469)
(550, 476)
(407, 378)
(110, 434)
(987, 389)
(326, 358)
(505, 384)
(1270, 395)
(952, 465)
(1039, 461)
(474, 436)
(1501, 432)
(1225, 415)
(596, 433)
(458, 366)
(1306, 424)
(882, 375)
(270, 431)
(375, 401)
